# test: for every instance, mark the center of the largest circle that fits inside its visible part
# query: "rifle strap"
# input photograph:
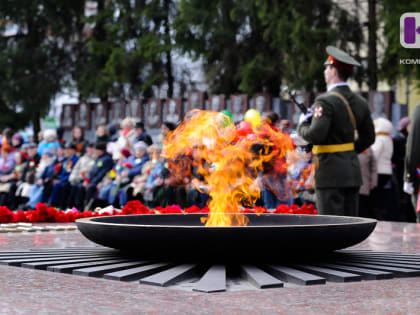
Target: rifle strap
(343, 99)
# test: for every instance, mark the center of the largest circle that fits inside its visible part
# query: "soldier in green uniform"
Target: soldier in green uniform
(339, 126)
(412, 160)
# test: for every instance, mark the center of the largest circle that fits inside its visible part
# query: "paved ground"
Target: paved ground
(26, 291)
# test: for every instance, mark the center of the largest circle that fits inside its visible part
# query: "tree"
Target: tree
(35, 58)
(128, 48)
(372, 42)
(255, 45)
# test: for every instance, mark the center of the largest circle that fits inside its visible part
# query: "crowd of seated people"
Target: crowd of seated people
(120, 164)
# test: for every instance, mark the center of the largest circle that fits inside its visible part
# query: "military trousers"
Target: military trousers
(342, 201)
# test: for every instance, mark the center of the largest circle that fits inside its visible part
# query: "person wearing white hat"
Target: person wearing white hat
(49, 142)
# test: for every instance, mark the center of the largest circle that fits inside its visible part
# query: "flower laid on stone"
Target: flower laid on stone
(43, 213)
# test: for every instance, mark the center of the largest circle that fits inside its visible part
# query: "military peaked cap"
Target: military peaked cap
(340, 59)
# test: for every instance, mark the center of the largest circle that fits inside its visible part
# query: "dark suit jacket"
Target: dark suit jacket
(103, 165)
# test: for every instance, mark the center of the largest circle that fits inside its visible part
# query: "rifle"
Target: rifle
(301, 106)
(292, 95)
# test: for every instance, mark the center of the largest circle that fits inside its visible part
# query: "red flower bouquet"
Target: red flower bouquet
(43, 213)
(135, 207)
(6, 216)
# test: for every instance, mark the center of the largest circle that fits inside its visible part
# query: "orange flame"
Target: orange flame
(229, 164)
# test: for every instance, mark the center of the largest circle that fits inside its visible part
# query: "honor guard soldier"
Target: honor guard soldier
(339, 126)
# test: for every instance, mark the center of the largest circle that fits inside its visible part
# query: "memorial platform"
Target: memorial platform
(25, 290)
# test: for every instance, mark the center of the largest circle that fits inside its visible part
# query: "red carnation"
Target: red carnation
(61, 217)
(308, 209)
(71, 216)
(45, 213)
(6, 216)
(32, 216)
(282, 209)
(87, 214)
(57, 168)
(175, 209)
(51, 214)
(20, 216)
(171, 209)
(128, 165)
(192, 209)
(41, 206)
(205, 209)
(294, 209)
(135, 207)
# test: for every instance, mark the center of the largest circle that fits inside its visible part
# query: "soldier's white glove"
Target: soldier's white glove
(297, 140)
(408, 188)
(305, 117)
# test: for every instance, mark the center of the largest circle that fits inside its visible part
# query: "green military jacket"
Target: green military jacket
(331, 124)
(412, 158)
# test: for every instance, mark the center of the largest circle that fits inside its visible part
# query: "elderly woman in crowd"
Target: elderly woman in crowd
(49, 142)
(83, 166)
(127, 137)
(7, 160)
(7, 180)
(382, 150)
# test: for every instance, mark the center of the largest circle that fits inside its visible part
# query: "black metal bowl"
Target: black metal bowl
(182, 236)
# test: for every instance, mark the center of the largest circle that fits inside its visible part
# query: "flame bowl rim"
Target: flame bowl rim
(352, 221)
(163, 236)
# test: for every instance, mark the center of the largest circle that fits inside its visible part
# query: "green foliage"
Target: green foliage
(57, 46)
(248, 45)
(256, 45)
(126, 49)
(33, 61)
